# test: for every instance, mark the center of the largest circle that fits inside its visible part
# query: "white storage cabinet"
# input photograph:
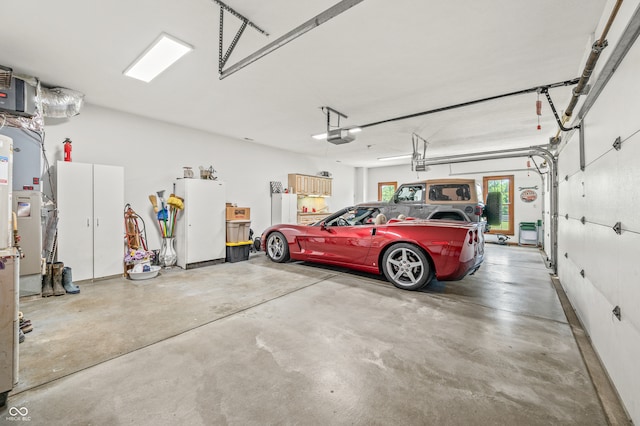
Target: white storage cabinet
(90, 201)
(200, 229)
(284, 208)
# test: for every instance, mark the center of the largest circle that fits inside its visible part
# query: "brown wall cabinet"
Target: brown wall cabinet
(310, 185)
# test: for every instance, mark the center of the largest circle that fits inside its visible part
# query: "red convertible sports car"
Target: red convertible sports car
(409, 252)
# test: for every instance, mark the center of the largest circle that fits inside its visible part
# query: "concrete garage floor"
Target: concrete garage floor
(261, 343)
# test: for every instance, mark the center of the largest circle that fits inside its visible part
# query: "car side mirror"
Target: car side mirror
(323, 227)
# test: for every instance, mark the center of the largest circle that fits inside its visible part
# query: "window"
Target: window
(449, 191)
(386, 190)
(503, 185)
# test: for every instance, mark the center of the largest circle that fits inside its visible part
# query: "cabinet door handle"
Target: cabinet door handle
(88, 222)
(97, 221)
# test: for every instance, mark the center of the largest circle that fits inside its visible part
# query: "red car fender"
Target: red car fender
(290, 234)
(443, 253)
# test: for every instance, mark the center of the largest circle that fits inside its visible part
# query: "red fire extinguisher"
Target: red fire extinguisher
(67, 149)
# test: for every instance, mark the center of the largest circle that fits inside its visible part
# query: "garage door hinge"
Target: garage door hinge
(618, 144)
(566, 216)
(582, 273)
(617, 313)
(618, 228)
(583, 220)
(566, 255)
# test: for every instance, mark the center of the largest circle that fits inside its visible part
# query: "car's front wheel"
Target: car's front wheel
(406, 266)
(277, 247)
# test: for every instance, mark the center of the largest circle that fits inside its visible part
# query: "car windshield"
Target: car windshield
(353, 216)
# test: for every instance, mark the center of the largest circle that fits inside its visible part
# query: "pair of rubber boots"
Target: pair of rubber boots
(57, 281)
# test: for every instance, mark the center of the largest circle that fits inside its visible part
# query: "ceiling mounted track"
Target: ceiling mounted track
(477, 101)
(223, 58)
(312, 23)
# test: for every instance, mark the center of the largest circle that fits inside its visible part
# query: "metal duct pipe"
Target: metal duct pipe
(519, 153)
(58, 102)
(596, 49)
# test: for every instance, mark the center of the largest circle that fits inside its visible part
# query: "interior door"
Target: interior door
(108, 221)
(75, 213)
(205, 220)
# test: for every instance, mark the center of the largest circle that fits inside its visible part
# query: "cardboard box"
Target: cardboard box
(238, 213)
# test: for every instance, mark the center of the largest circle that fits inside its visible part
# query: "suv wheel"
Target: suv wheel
(493, 208)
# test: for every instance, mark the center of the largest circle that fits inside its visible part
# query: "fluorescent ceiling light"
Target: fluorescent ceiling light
(163, 52)
(396, 157)
(321, 136)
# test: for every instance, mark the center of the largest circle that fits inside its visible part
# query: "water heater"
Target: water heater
(6, 218)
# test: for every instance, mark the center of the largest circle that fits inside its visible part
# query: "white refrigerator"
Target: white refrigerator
(200, 234)
(284, 208)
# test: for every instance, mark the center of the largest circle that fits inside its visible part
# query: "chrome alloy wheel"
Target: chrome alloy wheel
(277, 248)
(406, 266)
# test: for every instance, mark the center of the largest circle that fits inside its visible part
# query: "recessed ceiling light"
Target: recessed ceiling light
(396, 157)
(163, 52)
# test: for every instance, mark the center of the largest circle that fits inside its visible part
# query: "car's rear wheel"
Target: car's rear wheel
(277, 247)
(406, 266)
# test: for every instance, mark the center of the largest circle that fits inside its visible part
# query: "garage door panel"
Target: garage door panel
(599, 135)
(627, 181)
(577, 201)
(599, 262)
(568, 162)
(623, 120)
(628, 267)
(602, 194)
(571, 233)
(564, 200)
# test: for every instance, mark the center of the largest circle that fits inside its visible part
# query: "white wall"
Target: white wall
(523, 212)
(153, 154)
(608, 191)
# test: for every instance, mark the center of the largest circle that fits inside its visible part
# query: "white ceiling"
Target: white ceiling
(376, 61)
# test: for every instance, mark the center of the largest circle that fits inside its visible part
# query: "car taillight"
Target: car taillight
(470, 237)
(475, 233)
(478, 210)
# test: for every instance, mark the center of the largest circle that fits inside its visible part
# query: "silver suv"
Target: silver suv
(450, 199)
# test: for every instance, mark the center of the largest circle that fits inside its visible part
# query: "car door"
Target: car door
(337, 244)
